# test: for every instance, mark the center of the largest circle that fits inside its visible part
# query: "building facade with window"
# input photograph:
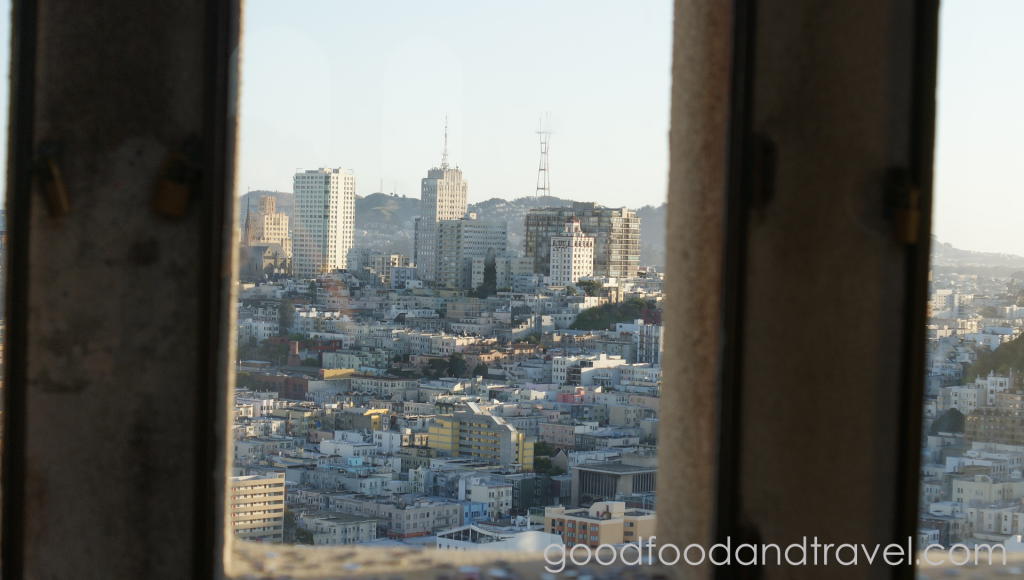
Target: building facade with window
(616, 233)
(256, 507)
(605, 522)
(324, 214)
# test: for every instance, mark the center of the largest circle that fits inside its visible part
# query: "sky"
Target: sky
(979, 152)
(367, 86)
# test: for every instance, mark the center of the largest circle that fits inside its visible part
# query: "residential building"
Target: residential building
(605, 522)
(616, 235)
(458, 241)
(572, 254)
(332, 528)
(256, 507)
(481, 435)
(323, 215)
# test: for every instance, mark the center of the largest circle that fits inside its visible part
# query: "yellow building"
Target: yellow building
(605, 522)
(256, 507)
(481, 435)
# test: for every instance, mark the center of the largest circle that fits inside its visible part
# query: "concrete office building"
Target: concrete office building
(572, 254)
(616, 235)
(323, 220)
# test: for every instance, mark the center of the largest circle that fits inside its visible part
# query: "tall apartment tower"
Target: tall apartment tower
(267, 226)
(616, 233)
(572, 254)
(323, 220)
(442, 197)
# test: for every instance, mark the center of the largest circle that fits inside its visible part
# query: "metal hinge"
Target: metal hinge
(904, 206)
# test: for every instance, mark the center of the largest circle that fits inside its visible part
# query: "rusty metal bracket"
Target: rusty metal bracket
(51, 181)
(179, 180)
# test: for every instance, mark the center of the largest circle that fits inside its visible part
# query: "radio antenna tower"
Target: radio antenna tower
(544, 171)
(444, 156)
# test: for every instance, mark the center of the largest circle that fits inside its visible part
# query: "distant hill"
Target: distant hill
(946, 259)
(386, 211)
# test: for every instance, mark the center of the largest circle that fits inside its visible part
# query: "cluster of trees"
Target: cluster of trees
(1001, 360)
(590, 287)
(542, 453)
(453, 366)
(607, 315)
(952, 421)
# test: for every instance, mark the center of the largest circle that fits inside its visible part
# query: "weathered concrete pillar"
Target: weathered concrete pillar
(118, 310)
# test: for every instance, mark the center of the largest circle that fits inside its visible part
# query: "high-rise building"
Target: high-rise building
(442, 197)
(572, 254)
(323, 220)
(267, 226)
(616, 233)
(461, 240)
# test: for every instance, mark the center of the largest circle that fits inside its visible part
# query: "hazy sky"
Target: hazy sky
(979, 153)
(366, 86)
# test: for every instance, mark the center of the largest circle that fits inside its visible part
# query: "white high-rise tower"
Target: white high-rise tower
(322, 220)
(442, 197)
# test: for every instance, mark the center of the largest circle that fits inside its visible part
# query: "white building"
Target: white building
(572, 254)
(442, 197)
(322, 220)
(581, 370)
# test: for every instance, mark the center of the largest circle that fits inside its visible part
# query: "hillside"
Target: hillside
(386, 211)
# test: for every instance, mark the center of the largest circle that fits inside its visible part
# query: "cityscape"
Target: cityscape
(427, 372)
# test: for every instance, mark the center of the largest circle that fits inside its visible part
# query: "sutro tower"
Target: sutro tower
(543, 172)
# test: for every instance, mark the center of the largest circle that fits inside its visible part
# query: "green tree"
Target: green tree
(490, 283)
(1020, 298)
(556, 470)
(542, 448)
(952, 421)
(570, 291)
(285, 317)
(312, 288)
(435, 368)
(480, 370)
(590, 287)
(457, 365)
(303, 536)
(310, 362)
(541, 464)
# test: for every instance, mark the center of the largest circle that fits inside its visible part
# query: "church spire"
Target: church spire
(245, 236)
